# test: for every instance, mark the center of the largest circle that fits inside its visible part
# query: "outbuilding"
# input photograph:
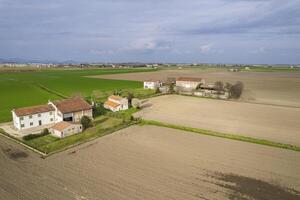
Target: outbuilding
(63, 129)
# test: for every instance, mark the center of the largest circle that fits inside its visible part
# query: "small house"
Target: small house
(152, 84)
(116, 103)
(63, 129)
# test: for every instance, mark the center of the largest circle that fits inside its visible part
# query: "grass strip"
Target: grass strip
(222, 135)
(52, 91)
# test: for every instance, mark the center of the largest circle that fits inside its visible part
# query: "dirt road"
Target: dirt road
(275, 123)
(279, 88)
(151, 163)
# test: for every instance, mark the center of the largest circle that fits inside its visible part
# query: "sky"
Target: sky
(178, 31)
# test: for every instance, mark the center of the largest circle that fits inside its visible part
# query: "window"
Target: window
(51, 119)
(22, 125)
(21, 118)
(30, 116)
(50, 113)
(31, 123)
(39, 115)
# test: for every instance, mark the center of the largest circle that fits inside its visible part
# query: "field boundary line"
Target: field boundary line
(223, 135)
(52, 91)
(108, 132)
(23, 144)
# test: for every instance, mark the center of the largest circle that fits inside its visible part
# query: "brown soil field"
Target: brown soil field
(279, 88)
(148, 162)
(275, 123)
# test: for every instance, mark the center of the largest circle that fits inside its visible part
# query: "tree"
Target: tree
(157, 90)
(227, 86)
(86, 122)
(98, 110)
(236, 90)
(219, 86)
(129, 97)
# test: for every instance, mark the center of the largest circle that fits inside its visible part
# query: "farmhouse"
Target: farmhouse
(152, 84)
(71, 109)
(189, 82)
(65, 110)
(116, 103)
(63, 129)
(33, 116)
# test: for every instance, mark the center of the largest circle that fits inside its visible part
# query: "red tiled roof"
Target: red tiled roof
(72, 105)
(115, 97)
(60, 126)
(190, 79)
(33, 110)
(111, 104)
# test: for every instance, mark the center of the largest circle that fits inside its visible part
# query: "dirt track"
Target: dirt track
(275, 123)
(279, 88)
(151, 163)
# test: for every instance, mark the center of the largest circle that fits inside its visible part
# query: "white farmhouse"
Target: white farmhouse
(152, 84)
(34, 116)
(189, 82)
(64, 110)
(116, 103)
(63, 129)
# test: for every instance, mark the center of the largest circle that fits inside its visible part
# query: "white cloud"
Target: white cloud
(206, 48)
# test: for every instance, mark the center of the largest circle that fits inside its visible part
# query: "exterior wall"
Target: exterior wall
(78, 115)
(16, 121)
(187, 84)
(58, 114)
(71, 130)
(31, 121)
(152, 84)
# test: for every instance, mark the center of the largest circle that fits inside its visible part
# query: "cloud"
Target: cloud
(206, 48)
(160, 31)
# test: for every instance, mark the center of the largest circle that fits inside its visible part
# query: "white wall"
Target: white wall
(34, 119)
(71, 130)
(16, 120)
(152, 85)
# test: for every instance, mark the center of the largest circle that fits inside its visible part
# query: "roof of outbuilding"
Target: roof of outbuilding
(33, 110)
(111, 104)
(72, 105)
(190, 79)
(60, 126)
(115, 97)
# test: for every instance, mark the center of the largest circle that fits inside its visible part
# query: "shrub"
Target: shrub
(33, 136)
(86, 122)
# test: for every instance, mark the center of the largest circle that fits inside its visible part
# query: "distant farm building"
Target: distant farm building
(189, 83)
(116, 103)
(152, 84)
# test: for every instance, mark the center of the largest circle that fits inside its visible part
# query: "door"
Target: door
(40, 122)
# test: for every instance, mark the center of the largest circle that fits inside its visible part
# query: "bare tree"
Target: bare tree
(219, 86)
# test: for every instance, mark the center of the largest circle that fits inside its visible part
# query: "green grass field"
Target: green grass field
(19, 89)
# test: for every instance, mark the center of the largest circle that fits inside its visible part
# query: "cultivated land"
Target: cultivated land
(274, 123)
(19, 89)
(279, 88)
(148, 162)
